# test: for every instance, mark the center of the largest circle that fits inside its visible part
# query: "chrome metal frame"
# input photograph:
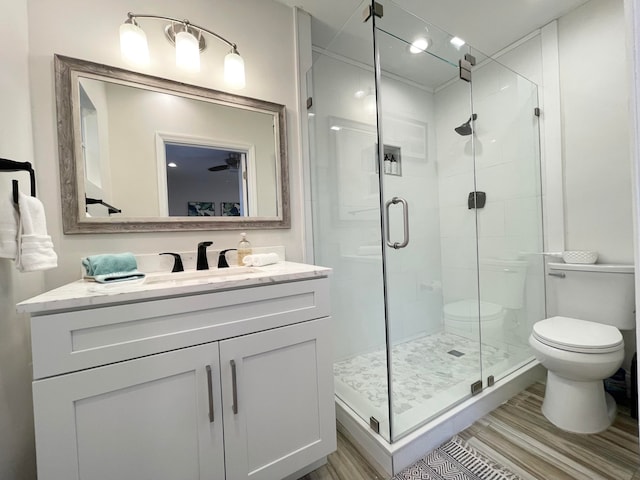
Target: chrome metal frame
(176, 26)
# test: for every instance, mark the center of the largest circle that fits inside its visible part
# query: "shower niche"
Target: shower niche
(392, 163)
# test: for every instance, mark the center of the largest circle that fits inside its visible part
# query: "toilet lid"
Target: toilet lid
(468, 310)
(576, 335)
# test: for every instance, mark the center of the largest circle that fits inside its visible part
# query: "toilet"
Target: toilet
(581, 344)
(501, 289)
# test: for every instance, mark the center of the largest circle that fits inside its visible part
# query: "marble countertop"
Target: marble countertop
(87, 294)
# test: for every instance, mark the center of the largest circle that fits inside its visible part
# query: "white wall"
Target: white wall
(594, 84)
(17, 456)
(89, 30)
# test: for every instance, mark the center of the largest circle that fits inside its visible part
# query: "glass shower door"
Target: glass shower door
(346, 216)
(510, 237)
(430, 259)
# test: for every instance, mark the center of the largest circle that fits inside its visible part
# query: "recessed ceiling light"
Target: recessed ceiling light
(172, 165)
(419, 45)
(336, 128)
(457, 42)
(360, 94)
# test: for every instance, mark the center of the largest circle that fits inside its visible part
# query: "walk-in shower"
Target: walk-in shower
(433, 294)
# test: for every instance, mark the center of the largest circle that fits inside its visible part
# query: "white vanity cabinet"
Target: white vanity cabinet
(228, 384)
(145, 418)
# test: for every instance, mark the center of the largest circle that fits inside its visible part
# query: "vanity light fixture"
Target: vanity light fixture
(189, 42)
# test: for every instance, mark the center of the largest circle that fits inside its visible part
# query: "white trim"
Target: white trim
(551, 141)
(302, 24)
(249, 192)
(632, 16)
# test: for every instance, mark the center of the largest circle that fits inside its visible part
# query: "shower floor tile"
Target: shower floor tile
(428, 374)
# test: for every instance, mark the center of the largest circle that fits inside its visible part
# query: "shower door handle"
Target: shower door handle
(405, 216)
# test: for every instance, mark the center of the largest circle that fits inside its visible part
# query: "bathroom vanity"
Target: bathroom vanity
(226, 376)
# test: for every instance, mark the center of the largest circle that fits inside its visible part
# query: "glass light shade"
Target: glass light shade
(234, 71)
(133, 44)
(187, 52)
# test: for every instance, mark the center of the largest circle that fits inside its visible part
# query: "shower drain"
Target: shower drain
(455, 353)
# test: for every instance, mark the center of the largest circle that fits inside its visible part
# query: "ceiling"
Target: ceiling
(487, 25)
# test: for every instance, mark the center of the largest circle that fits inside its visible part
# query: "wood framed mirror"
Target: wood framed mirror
(143, 153)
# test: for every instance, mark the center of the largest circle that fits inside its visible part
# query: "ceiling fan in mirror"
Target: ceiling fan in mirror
(231, 163)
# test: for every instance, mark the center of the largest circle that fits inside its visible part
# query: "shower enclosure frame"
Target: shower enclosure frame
(393, 454)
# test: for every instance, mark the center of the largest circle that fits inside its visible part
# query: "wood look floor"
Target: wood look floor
(519, 437)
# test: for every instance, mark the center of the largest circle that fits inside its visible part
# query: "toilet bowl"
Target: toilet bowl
(578, 355)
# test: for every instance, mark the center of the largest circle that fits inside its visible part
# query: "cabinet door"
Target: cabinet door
(144, 419)
(278, 403)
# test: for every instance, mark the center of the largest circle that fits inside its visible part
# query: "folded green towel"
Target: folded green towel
(119, 277)
(109, 263)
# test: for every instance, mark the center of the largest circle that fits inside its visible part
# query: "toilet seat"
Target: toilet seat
(574, 335)
(467, 311)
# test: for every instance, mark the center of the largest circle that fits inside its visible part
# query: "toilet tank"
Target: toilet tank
(502, 281)
(598, 293)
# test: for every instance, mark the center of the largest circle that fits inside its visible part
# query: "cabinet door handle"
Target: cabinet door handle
(234, 387)
(210, 386)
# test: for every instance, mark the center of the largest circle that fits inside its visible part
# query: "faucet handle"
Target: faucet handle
(177, 261)
(222, 258)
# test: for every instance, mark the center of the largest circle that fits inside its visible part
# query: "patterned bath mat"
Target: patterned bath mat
(455, 460)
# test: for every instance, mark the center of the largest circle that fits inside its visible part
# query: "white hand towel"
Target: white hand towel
(8, 228)
(260, 259)
(35, 249)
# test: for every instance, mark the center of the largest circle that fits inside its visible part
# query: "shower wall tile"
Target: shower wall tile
(457, 222)
(454, 154)
(521, 216)
(459, 284)
(459, 252)
(491, 220)
(455, 190)
(493, 247)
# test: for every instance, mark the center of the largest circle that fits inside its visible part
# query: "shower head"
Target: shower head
(465, 128)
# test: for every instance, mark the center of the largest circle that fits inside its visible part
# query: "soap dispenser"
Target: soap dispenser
(244, 249)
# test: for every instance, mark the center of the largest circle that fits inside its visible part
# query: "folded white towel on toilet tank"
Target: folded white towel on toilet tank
(260, 259)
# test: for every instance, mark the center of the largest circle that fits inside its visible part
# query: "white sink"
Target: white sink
(198, 274)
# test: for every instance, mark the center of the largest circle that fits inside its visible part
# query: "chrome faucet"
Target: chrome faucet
(202, 263)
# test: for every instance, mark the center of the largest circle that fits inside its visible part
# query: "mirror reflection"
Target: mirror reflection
(162, 155)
